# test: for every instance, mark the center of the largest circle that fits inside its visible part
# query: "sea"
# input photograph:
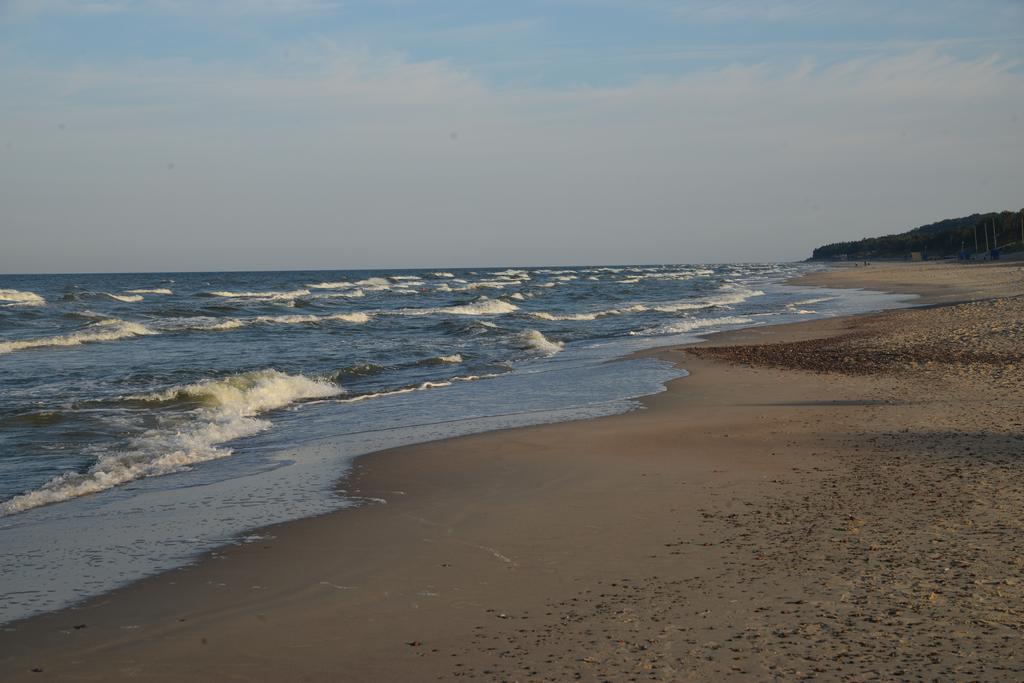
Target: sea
(148, 418)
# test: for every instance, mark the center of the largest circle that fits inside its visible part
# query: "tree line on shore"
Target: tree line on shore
(943, 239)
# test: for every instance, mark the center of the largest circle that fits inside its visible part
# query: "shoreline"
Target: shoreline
(433, 491)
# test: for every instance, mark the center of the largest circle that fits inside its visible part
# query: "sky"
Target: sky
(167, 135)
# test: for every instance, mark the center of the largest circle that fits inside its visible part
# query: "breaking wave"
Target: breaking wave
(423, 386)
(229, 410)
(591, 315)
(808, 302)
(111, 329)
(158, 290)
(208, 324)
(356, 317)
(331, 285)
(482, 306)
(262, 296)
(14, 297)
(534, 340)
(126, 298)
(685, 326)
(349, 294)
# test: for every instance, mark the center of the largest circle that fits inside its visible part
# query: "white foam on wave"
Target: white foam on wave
(372, 282)
(202, 324)
(489, 284)
(534, 340)
(331, 285)
(157, 290)
(209, 324)
(15, 297)
(482, 306)
(591, 315)
(349, 294)
(355, 317)
(126, 298)
(733, 295)
(443, 273)
(229, 410)
(685, 326)
(808, 302)
(424, 386)
(263, 296)
(110, 329)
(453, 358)
(215, 324)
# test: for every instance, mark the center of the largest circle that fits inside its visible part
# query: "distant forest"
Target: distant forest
(937, 240)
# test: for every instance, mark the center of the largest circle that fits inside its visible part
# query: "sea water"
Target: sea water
(145, 418)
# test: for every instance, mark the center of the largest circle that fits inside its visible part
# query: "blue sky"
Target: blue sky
(182, 134)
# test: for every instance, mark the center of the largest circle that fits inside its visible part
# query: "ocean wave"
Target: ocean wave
(482, 306)
(158, 290)
(489, 284)
(684, 326)
(331, 285)
(361, 370)
(443, 273)
(355, 317)
(262, 296)
(349, 294)
(230, 407)
(125, 298)
(738, 295)
(733, 295)
(210, 324)
(534, 340)
(203, 324)
(423, 386)
(591, 315)
(14, 297)
(110, 329)
(380, 282)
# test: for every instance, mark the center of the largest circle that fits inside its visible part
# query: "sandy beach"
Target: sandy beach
(836, 500)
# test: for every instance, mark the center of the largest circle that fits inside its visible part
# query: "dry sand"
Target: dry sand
(837, 500)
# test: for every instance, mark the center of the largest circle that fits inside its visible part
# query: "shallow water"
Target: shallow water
(145, 418)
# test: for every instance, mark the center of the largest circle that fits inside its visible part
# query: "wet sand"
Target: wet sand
(836, 500)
